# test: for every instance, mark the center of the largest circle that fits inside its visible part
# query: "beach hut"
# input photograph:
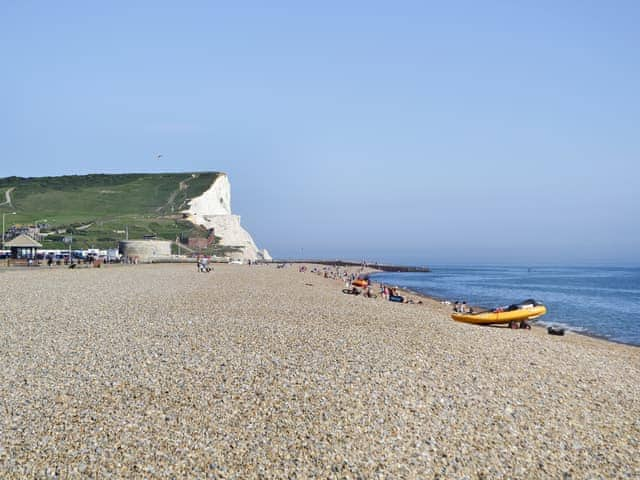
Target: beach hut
(23, 246)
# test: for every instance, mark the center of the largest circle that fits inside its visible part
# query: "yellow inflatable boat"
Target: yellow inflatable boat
(527, 310)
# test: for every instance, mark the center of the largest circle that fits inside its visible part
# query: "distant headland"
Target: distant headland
(191, 210)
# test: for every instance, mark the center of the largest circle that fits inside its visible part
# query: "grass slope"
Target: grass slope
(142, 203)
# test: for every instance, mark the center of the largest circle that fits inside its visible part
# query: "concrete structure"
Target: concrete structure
(145, 250)
(212, 209)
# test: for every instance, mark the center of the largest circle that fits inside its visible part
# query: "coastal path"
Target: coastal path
(7, 196)
(182, 185)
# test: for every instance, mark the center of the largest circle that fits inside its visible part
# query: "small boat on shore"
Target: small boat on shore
(527, 310)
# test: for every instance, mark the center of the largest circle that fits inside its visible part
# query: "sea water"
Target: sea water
(603, 302)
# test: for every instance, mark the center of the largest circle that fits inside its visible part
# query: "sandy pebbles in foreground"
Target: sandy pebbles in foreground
(258, 372)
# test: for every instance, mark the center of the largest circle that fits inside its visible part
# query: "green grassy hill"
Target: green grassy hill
(96, 209)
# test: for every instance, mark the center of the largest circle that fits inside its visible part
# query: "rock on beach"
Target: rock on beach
(157, 371)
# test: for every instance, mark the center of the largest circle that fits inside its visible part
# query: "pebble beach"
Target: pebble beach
(158, 371)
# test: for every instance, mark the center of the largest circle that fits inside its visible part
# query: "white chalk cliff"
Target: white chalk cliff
(212, 209)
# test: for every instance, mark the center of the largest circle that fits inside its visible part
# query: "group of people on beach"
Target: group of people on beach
(388, 292)
(358, 283)
(461, 307)
(392, 294)
(203, 264)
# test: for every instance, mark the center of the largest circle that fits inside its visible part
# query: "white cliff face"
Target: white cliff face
(212, 209)
(215, 201)
(229, 229)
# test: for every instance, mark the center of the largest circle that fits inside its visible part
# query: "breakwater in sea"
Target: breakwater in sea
(383, 267)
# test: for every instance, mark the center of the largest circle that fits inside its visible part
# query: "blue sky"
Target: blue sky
(419, 132)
